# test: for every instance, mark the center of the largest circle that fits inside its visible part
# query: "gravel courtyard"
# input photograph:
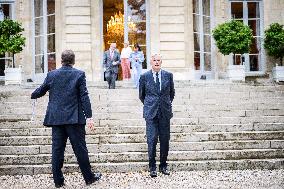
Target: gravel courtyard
(239, 179)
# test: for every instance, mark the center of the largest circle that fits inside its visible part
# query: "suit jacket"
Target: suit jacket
(69, 101)
(152, 98)
(108, 61)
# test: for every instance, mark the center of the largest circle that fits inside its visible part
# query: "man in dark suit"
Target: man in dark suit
(156, 92)
(68, 108)
(111, 62)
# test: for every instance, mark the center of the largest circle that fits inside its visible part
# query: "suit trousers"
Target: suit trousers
(111, 77)
(76, 134)
(158, 127)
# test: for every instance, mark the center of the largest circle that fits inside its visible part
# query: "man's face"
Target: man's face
(112, 46)
(156, 63)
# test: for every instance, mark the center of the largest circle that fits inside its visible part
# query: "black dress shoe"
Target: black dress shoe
(97, 176)
(59, 185)
(153, 173)
(164, 171)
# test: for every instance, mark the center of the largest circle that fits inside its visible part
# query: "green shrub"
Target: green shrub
(233, 37)
(274, 41)
(11, 39)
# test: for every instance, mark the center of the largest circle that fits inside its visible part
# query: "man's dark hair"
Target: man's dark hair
(67, 58)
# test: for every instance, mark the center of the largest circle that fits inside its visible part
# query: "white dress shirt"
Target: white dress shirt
(125, 53)
(160, 77)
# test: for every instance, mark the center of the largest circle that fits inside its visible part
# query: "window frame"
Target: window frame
(201, 37)
(40, 76)
(246, 19)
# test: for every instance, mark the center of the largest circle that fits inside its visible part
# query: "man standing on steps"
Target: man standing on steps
(111, 62)
(68, 110)
(156, 92)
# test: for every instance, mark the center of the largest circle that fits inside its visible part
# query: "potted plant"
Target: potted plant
(274, 45)
(233, 37)
(11, 42)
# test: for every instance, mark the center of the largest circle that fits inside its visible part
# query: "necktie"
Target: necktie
(157, 82)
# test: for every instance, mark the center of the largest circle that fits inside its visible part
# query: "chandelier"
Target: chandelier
(115, 27)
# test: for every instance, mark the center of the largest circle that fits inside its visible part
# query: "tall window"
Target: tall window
(44, 36)
(6, 11)
(249, 12)
(125, 20)
(202, 35)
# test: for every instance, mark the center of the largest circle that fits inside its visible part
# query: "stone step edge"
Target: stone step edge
(265, 164)
(171, 151)
(171, 142)
(183, 133)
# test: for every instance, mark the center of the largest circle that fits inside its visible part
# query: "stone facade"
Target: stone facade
(78, 27)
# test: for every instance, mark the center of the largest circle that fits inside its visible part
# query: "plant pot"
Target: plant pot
(278, 73)
(14, 76)
(236, 72)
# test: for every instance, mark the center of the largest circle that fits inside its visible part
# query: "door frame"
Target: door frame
(262, 65)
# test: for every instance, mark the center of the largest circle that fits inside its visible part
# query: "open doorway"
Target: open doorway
(118, 29)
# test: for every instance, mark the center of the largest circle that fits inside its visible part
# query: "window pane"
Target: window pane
(207, 43)
(51, 43)
(206, 7)
(51, 62)
(38, 26)
(238, 59)
(206, 24)
(195, 6)
(136, 10)
(255, 46)
(207, 61)
(237, 9)
(51, 24)
(39, 45)
(50, 6)
(135, 37)
(254, 62)
(113, 24)
(38, 6)
(253, 10)
(196, 42)
(39, 64)
(255, 26)
(197, 61)
(196, 23)
(6, 10)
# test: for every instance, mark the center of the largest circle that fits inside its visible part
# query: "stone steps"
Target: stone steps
(216, 125)
(143, 166)
(142, 147)
(39, 130)
(143, 157)
(141, 138)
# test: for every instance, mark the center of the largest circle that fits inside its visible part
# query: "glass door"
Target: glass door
(125, 20)
(250, 13)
